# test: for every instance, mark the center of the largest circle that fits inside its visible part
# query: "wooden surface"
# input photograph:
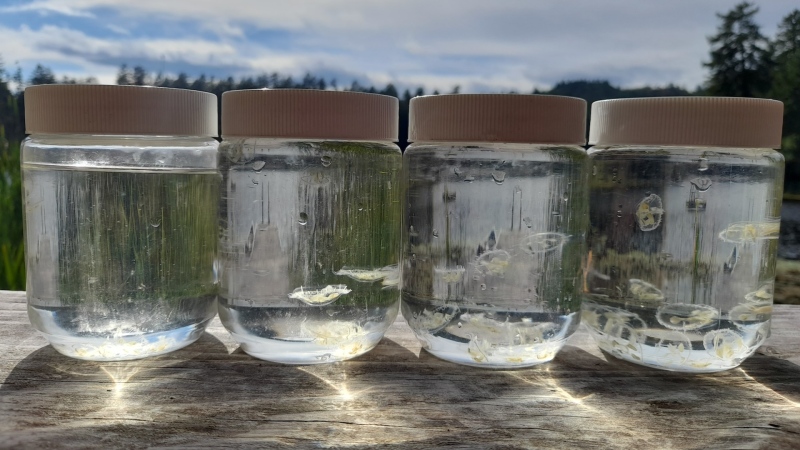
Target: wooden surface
(212, 395)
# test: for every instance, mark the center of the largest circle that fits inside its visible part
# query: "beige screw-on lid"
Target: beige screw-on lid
(125, 110)
(309, 114)
(511, 118)
(689, 121)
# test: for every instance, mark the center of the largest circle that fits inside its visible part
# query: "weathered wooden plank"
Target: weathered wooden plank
(211, 394)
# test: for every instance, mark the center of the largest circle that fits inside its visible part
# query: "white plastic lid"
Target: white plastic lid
(310, 114)
(688, 121)
(122, 110)
(510, 118)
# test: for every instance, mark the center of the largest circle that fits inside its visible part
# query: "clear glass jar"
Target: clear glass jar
(120, 229)
(310, 226)
(494, 231)
(683, 237)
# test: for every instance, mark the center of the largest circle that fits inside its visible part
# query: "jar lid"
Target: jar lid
(691, 121)
(309, 114)
(126, 110)
(511, 118)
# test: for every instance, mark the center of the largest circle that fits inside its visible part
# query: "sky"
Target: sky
(479, 45)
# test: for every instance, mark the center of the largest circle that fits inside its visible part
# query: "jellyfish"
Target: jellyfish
(493, 262)
(320, 297)
(746, 314)
(450, 275)
(686, 317)
(644, 291)
(678, 346)
(763, 294)
(750, 232)
(543, 242)
(368, 275)
(649, 213)
(725, 344)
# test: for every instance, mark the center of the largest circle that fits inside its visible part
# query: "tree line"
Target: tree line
(743, 62)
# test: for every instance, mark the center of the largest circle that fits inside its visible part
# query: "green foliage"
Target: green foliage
(786, 87)
(740, 56)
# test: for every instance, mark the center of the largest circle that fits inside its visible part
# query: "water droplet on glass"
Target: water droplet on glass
(435, 233)
(498, 176)
(303, 218)
(619, 213)
(566, 197)
(258, 165)
(326, 161)
(594, 170)
(703, 165)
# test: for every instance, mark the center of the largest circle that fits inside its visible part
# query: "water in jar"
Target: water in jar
(120, 263)
(682, 257)
(492, 249)
(309, 247)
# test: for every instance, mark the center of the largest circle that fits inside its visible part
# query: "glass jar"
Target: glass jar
(685, 211)
(120, 194)
(495, 221)
(310, 214)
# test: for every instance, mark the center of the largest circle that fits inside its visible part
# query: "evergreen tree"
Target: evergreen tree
(786, 88)
(740, 56)
(42, 75)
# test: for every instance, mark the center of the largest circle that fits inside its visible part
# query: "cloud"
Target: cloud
(508, 45)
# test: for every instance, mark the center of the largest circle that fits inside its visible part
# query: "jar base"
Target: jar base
(306, 352)
(501, 358)
(124, 348)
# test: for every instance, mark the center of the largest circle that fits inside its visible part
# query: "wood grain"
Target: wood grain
(212, 395)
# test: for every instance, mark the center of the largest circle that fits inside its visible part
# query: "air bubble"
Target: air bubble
(258, 165)
(703, 164)
(326, 161)
(303, 218)
(435, 233)
(483, 286)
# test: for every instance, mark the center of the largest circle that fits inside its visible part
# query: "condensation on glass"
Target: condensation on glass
(120, 194)
(685, 212)
(495, 220)
(310, 216)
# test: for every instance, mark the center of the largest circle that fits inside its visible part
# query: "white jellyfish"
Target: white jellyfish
(493, 262)
(320, 297)
(543, 242)
(746, 314)
(725, 344)
(451, 275)
(750, 232)
(649, 212)
(643, 290)
(686, 317)
(763, 294)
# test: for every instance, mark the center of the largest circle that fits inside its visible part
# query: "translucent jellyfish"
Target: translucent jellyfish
(432, 321)
(750, 232)
(453, 275)
(334, 332)
(524, 332)
(649, 212)
(678, 346)
(750, 313)
(643, 290)
(493, 262)
(392, 278)
(702, 184)
(686, 317)
(320, 297)
(367, 275)
(543, 242)
(479, 349)
(763, 294)
(725, 344)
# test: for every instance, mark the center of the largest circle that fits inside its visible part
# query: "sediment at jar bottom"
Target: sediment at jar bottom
(486, 336)
(675, 336)
(109, 332)
(307, 334)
